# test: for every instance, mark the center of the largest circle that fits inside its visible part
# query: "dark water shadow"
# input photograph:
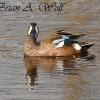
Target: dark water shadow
(87, 56)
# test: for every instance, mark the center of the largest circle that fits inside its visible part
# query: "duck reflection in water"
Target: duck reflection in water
(49, 64)
(31, 74)
(52, 65)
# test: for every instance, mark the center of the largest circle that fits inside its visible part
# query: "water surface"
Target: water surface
(24, 78)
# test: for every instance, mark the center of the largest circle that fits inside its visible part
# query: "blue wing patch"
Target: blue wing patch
(62, 41)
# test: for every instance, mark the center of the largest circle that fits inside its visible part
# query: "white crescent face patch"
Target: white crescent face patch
(37, 30)
(77, 46)
(30, 29)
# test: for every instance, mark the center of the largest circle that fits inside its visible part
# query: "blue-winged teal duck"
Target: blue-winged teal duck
(56, 45)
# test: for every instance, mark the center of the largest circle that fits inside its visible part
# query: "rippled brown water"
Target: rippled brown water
(24, 78)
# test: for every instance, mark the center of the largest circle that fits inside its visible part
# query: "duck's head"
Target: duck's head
(33, 31)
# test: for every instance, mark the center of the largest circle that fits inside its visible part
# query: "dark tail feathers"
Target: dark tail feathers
(86, 46)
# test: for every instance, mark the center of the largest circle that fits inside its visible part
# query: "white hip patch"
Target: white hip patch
(77, 46)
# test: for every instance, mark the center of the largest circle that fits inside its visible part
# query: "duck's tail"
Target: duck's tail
(86, 46)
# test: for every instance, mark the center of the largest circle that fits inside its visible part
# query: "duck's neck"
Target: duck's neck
(30, 44)
(31, 41)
